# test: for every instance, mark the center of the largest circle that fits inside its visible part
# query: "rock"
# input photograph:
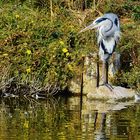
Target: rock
(137, 97)
(105, 106)
(88, 85)
(117, 93)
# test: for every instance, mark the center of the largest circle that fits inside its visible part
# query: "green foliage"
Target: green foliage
(133, 78)
(130, 56)
(132, 9)
(37, 48)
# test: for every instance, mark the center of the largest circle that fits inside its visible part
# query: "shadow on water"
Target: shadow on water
(65, 119)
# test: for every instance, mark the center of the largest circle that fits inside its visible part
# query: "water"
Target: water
(66, 119)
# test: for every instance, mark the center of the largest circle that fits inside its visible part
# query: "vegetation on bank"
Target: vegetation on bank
(40, 46)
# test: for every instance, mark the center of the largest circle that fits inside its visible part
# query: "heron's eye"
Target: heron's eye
(100, 20)
(116, 21)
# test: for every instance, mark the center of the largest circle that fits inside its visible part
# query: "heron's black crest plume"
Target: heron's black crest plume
(100, 20)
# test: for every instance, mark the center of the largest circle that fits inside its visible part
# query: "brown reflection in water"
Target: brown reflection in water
(102, 123)
(64, 119)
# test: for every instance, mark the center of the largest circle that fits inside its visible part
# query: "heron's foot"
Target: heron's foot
(108, 86)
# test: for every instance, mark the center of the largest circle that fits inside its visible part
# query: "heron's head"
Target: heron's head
(95, 24)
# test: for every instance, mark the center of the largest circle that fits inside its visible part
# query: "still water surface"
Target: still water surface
(68, 119)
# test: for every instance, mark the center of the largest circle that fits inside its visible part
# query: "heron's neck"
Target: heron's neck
(107, 27)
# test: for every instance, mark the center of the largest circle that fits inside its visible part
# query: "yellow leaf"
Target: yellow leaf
(17, 16)
(28, 52)
(70, 67)
(5, 54)
(67, 54)
(65, 50)
(61, 42)
(26, 124)
(28, 70)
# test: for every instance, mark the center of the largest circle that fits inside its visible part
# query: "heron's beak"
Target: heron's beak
(90, 27)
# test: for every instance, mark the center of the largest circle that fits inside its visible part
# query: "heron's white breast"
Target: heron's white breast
(109, 44)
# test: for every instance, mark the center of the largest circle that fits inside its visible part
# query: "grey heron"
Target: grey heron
(108, 35)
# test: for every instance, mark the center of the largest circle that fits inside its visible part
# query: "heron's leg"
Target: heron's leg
(105, 72)
(105, 75)
(97, 72)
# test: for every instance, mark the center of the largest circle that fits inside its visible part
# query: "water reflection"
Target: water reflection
(63, 119)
